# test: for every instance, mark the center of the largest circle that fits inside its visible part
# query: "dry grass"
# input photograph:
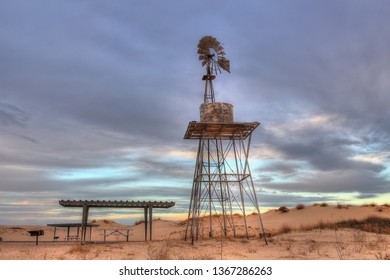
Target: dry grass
(159, 253)
(169, 250)
(320, 225)
(382, 256)
(342, 206)
(379, 243)
(79, 251)
(284, 229)
(373, 224)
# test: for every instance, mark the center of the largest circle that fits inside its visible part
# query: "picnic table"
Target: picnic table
(117, 232)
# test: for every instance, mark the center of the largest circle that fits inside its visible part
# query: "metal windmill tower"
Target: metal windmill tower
(222, 183)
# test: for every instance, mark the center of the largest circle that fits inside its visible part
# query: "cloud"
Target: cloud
(362, 181)
(276, 200)
(12, 115)
(322, 154)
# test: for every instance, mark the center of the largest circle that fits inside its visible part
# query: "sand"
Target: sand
(291, 235)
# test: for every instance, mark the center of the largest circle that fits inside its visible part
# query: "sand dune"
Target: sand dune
(308, 233)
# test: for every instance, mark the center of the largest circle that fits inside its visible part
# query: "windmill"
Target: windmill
(213, 57)
(222, 183)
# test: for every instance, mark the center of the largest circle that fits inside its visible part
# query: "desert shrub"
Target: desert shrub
(380, 209)
(324, 204)
(341, 206)
(283, 209)
(266, 235)
(300, 206)
(252, 250)
(138, 222)
(372, 204)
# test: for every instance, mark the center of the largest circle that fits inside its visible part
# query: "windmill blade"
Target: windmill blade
(211, 40)
(219, 48)
(224, 64)
(206, 40)
(203, 51)
(202, 44)
(215, 44)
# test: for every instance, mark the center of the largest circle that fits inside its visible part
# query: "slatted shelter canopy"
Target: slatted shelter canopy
(211, 130)
(146, 205)
(71, 225)
(116, 204)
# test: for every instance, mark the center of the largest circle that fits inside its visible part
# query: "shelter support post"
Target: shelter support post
(67, 233)
(146, 222)
(150, 222)
(84, 222)
(54, 234)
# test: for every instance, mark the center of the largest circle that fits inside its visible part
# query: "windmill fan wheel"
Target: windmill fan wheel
(212, 55)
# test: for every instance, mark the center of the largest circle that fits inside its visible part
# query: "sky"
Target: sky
(95, 98)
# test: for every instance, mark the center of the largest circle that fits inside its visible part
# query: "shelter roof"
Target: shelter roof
(116, 204)
(71, 225)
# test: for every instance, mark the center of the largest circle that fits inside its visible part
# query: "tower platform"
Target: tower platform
(222, 131)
